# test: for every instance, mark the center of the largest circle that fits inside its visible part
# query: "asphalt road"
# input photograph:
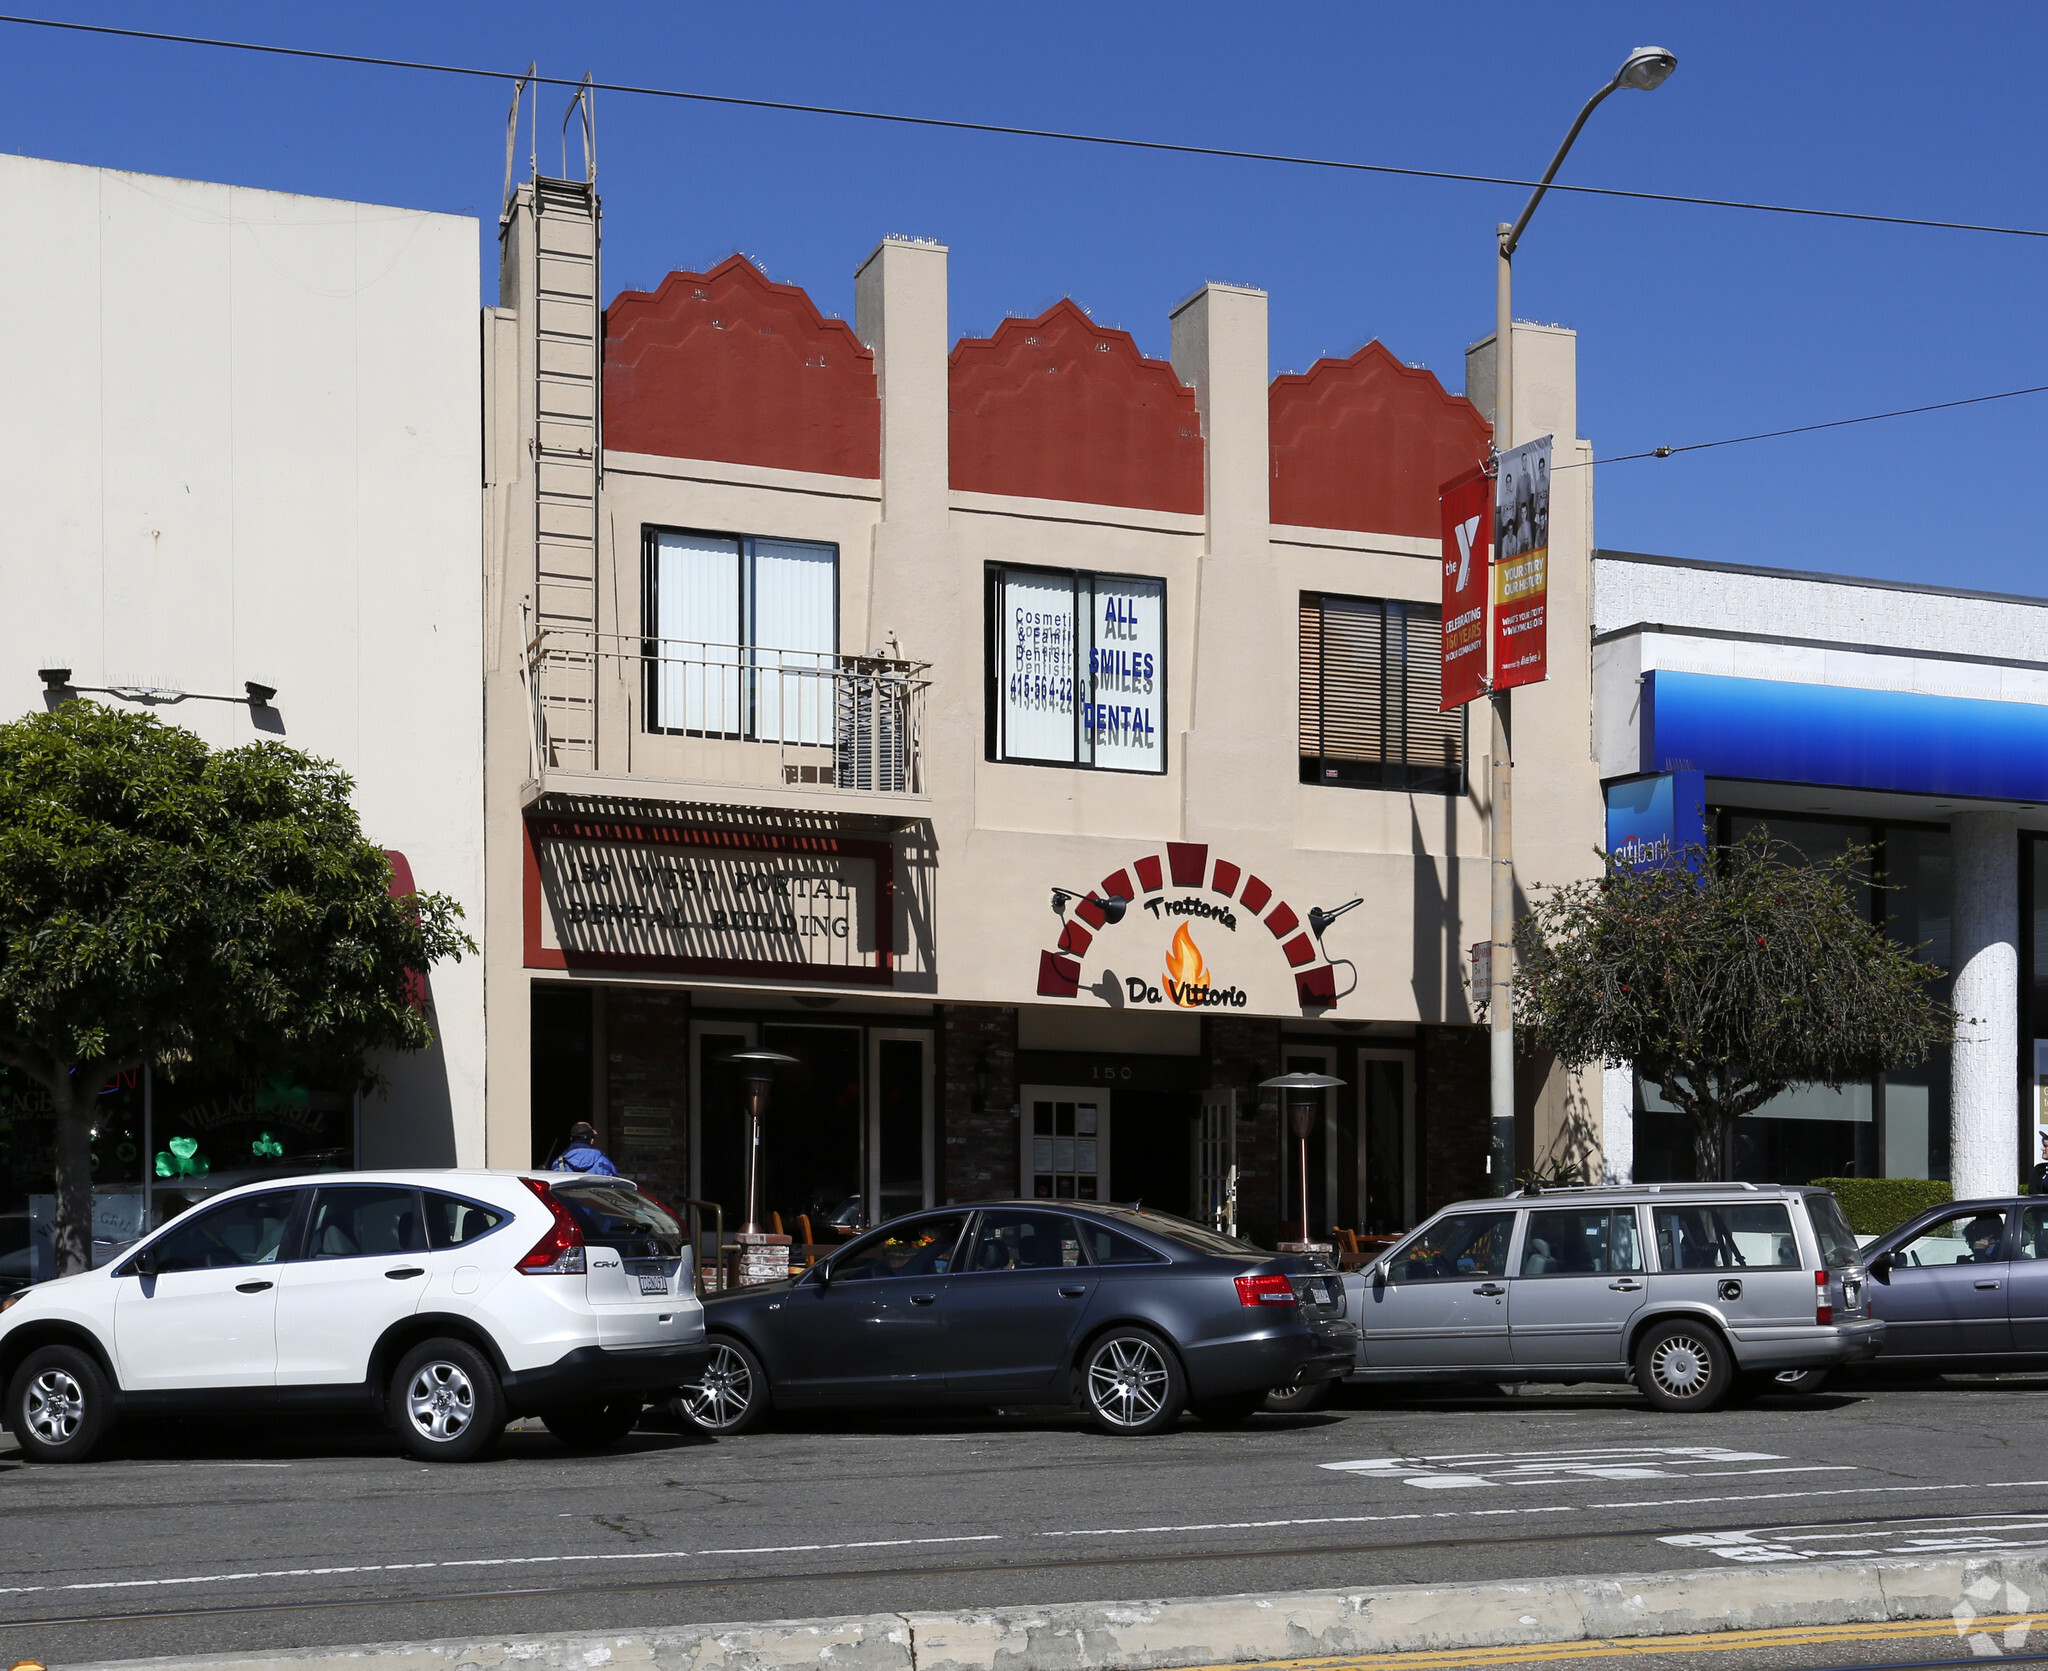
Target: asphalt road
(201, 1539)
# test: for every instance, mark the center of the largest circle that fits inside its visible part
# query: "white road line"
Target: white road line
(491, 1561)
(1843, 1491)
(1314, 1520)
(878, 1543)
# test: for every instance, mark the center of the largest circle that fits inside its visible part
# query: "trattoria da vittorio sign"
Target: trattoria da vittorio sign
(1190, 933)
(662, 898)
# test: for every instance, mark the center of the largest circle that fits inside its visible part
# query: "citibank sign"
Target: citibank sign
(1178, 930)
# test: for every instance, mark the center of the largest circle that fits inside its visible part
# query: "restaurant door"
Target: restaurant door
(848, 1137)
(1362, 1157)
(1066, 1142)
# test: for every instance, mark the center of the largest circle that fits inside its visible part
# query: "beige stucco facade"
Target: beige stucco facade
(991, 858)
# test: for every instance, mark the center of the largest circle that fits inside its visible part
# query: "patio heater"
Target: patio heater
(1304, 1093)
(759, 1067)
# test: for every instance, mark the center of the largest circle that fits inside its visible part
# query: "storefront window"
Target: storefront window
(1897, 1129)
(28, 1163)
(1916, 1103)
(212, 1132)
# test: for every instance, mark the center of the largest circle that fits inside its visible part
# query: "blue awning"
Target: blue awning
(1776, 731)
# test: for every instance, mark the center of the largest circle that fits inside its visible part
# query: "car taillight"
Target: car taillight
(1265, 1290)
(1823, 1312)
(560, 1251)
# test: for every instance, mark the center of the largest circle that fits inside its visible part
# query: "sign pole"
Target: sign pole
(1501, 1011)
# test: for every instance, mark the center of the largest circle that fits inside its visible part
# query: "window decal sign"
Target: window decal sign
(1078, 668)
(1468, 538)
(1124, 721)
(1037, 632)
(1521, 566)
(1175, 931)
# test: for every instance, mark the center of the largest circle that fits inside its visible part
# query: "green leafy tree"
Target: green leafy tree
(165, 903)
(1726, 978)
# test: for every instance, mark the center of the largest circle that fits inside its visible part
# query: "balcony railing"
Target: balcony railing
(804, 726)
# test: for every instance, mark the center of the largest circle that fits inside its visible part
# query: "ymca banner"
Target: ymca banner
(1521, 565)
(1468, 530)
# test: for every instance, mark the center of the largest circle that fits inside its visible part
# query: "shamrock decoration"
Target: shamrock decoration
(181, 1158)
(266, 1147)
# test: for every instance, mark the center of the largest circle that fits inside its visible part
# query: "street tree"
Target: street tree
(166, 904)
(1726, 976)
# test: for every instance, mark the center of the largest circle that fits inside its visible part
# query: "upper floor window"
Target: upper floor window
(1076, 668)
(741, 635)
(1370, 673)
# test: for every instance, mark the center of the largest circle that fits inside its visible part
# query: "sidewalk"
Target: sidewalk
(1981, 1596)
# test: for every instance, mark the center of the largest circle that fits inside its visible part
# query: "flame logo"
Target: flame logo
(1187, 976)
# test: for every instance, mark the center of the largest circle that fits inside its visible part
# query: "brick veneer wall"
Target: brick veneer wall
(1454, 1114)
(978, 1148)
(1239, 1052)
(647, 1047)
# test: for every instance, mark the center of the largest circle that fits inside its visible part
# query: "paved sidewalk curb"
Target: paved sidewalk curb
(1218, 1630)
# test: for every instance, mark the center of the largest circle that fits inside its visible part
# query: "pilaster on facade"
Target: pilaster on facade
(1236, 764)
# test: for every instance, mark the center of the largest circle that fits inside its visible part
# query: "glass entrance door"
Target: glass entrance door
(1385, 1158)
(1066, 1142)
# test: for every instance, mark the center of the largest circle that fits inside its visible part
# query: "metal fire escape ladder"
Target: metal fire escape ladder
(568, 460)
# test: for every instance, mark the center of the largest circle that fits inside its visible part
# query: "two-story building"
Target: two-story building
(1036, 741)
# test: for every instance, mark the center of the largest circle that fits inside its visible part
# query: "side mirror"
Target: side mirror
(1382, 1272)
(821, 1273)
(142, 1265)
(1881, 1264)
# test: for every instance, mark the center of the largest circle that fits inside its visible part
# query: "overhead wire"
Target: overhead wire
(1128, 143)
(1804, 429)
(960, 125)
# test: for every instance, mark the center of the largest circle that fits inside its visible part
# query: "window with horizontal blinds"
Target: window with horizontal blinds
(1369, 689)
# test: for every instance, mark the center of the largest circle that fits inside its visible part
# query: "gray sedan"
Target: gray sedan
(1964, 1286)
(1133, 1316)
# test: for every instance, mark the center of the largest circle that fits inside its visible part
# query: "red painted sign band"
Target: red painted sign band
(1467, 532)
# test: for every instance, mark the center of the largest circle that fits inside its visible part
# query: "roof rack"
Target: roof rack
(1534, 1190)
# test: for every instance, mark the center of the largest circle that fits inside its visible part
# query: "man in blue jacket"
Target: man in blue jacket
(583, 1154)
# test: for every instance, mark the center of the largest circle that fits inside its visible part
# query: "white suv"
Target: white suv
(448, 1301)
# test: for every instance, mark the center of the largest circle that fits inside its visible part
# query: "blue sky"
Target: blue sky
(1694, 323)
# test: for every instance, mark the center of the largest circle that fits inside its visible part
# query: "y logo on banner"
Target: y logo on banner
(1468, 531)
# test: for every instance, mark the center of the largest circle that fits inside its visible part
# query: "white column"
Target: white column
(1618, 1125)
(1984, 867)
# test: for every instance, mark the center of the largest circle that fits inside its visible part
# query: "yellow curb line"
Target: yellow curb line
(1719, 1641)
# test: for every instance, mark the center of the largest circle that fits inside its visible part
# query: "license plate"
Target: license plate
(1319, 1292)
(653, 1284)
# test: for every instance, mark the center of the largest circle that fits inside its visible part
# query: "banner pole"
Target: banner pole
(1501, 1157)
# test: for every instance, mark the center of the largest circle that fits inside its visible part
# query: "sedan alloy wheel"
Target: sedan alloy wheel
(1132, 1383)
(731, 1396)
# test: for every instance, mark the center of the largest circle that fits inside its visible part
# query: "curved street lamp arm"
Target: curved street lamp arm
(1513, 236)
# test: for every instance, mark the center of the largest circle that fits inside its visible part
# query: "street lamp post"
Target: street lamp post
(1644, 69)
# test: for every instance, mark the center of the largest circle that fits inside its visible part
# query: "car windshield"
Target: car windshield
(1831, 1229)
(1189, 1234)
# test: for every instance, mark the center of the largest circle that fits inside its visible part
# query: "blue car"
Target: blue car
(1128, 1315)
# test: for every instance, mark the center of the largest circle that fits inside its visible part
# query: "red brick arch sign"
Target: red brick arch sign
(1180, 903)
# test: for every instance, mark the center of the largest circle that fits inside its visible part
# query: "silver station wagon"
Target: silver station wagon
(1695, 1292)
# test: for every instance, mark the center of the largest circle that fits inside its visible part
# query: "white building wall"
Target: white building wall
(239, 440)
(1632, 588)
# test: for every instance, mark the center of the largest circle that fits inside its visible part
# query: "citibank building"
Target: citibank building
(1910, 721)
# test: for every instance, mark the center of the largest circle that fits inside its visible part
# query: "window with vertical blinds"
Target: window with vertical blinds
(1369, 693)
